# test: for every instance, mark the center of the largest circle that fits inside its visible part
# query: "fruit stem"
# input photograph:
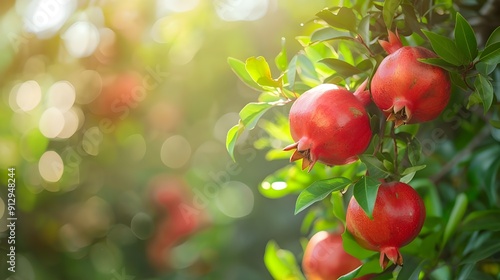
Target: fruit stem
(393, 135)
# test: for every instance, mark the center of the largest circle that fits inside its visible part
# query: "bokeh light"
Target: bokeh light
(81, 39)
(175, 151)
(235, 199)
(237, 10)
(51, 166)
(28, 95)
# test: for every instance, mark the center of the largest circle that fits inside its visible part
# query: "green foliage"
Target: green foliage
(456, 179)
(281, 263)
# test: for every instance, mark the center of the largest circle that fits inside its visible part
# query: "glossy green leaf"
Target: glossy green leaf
(344, 19)
(365, 192)
(390, 7)
(281, 263)
(412, 268)
(252, 112)
(482, 220)
(307, 70)
(352, 247)
(329, 33)
(259, 71)
(291, 73)
(239, 69)
(342, 68)
(457, 213)
(232, 137)
(414, 150)
(364, 29)
(494, 37)
(318, 191)
(465, 38)
(351, 275)
(485, 90)
(495, 123)
(411, 19)
(440, 63)
(445, 48)
(413, 169)
(375, 167)
(281, 59)
(338, 206)
(491, 54)
(482, 253)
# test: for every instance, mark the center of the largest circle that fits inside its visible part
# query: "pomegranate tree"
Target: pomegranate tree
(398, 217)
(406, 89)
(329, 125)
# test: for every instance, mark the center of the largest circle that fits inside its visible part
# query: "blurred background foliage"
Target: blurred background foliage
(111, 110)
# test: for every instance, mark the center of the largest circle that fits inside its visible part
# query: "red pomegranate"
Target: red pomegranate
(329, 125)
(178, 218)
(407, 90)
(325, 258)
(398, 217)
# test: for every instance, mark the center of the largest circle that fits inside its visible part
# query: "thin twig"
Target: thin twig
(478, 139)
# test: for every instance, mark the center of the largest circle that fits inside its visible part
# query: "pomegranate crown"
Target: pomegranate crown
(393, 44)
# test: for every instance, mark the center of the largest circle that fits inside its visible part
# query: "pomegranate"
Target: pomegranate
(329, 125)
(407, 90)
(398, 217)
(178, 219)
(325, 258)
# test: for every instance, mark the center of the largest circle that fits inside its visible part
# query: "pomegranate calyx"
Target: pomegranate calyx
(393, 44)
(399, 114)
(305, 155)
(390, 254)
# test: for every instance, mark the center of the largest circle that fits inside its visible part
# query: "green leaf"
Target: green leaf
(291, 73)
(338, 206)
(414, 151)
(352, 247)
(375, 167)
(494, 37)
(412, 268)
(239, 69)
(491, 54)
(482, 253)
(364, 30)
(232, 137)
(413, 169)
(252, 112)
(258, 69)
(350, 275)
(465, 38)
(281, 264)
(439, 62)
(455, 218)
(281, 59)
(365, 192)
(485, 90)
(344, 19)
(390, 7)
(482, 220)
(318, 191)
(495, 123)
(329, 33)
(342, 68)
(306, 70)
(445, 48)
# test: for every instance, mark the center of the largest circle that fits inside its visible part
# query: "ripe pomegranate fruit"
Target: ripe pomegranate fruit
(398, 217)
(407, 90)
(329, 125)
(178, 219)
(325, 258)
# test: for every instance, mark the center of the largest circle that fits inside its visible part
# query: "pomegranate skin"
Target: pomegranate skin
(407, 90)
(325, 258)
(329, 125)
(398, 217)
